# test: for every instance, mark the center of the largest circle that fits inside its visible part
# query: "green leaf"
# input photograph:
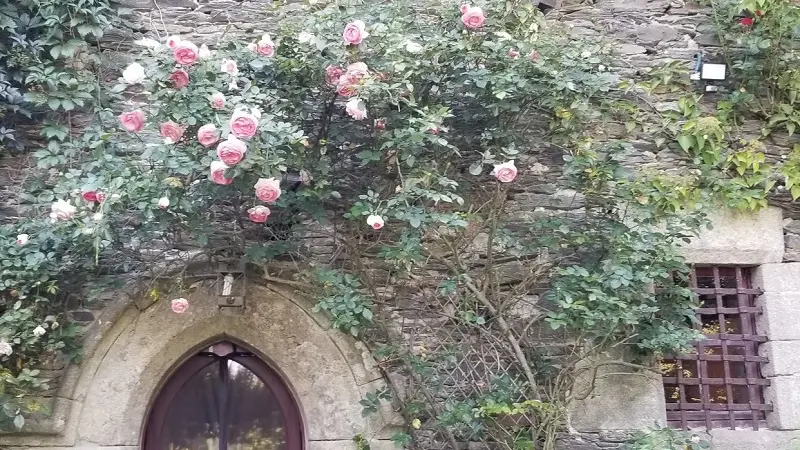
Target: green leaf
(414, 222)
(19, 421)
(476, 168)
(685, 141)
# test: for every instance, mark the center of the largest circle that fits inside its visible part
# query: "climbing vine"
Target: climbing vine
(419, 138)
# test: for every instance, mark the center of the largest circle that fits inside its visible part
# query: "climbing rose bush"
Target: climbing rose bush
(388, 119)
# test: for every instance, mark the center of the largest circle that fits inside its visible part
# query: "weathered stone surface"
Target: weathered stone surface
(631, 49)
(739, 238)
(620, 401)
(724, 439)
(784, 394)
(784, 358)
(781, 313)
(655, 33)
(782, 278)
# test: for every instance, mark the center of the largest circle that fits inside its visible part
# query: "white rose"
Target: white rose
(22, 239)
(375, 221)
(62, 210)
(134, 74)
(413, 47)
(204, 52)
(5, 348)
(39, 331)
(163, 203)
(97, 217)
(356, 108)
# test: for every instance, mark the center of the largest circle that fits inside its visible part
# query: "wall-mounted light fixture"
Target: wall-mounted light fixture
(231, 285)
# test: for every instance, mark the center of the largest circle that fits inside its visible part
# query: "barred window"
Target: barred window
(720, 383)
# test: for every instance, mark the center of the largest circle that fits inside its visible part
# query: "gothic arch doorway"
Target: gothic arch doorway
(224, 398)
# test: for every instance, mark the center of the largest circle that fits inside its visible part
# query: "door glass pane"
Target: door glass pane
(192, 419)
(256, 421)
(206, 404)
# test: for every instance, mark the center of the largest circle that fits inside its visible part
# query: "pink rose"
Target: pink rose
(185, 53)
(179, 305)
(355, 32)
(513, 54)
(253, 47)
(357, 70)
(217, 173)
(380, 124)
(351, 79)
(464, 8)
(534, 55)
(100, 196)
(231, 151)
(171, 132)
(265, 47)
(357, 109)
(506, 172)
(180, 79)
(218, 100)
(375, 221)
(473, 18)
(90, 196)
(332, 74)
(243, 125)
(230, 67)
(268, 189)
(132, 121)
(207, 135)
(346, 89)
(173, 41)
(258, 214)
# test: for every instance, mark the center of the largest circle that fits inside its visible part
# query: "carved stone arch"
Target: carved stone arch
(104, 402)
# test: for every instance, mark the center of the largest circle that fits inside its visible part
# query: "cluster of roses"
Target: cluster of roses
(243, 123)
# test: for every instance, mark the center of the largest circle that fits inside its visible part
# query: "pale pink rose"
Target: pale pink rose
(513, 54)
(179, 305)
(179, 78)
(265, 47)
(355, 32)
(506, 172)
(464, 8)
(208, 135)
(258, 214)
(163, 203)
(380, 124)
(173, 41)
(375, 221)
(89, 196)
(332, 74)
(229, 66)
(185, 53)
(358, 70)
(356, 108)
(62, 210)
(218, 100)
(231, 151)
(243, 124)
(534, 55)
(434, 129)
(171, 132)
(268, 189)
(253, 47)
(351, 79)
(346, 89)
(132, 121)
(217, 173)
(473, 18)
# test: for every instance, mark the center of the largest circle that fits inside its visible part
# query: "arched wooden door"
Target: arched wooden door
(224, 398)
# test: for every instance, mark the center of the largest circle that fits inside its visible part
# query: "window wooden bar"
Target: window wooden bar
(720, 385)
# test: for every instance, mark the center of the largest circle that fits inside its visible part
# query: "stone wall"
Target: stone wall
(102, 403)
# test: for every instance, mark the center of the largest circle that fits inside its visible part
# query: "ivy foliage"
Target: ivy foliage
(46, 64)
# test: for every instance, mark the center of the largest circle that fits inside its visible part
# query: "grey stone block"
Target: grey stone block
(724, 439)
(780, 317)
(739, 238)
(782, 278)
(784, 358)
(784, 394)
